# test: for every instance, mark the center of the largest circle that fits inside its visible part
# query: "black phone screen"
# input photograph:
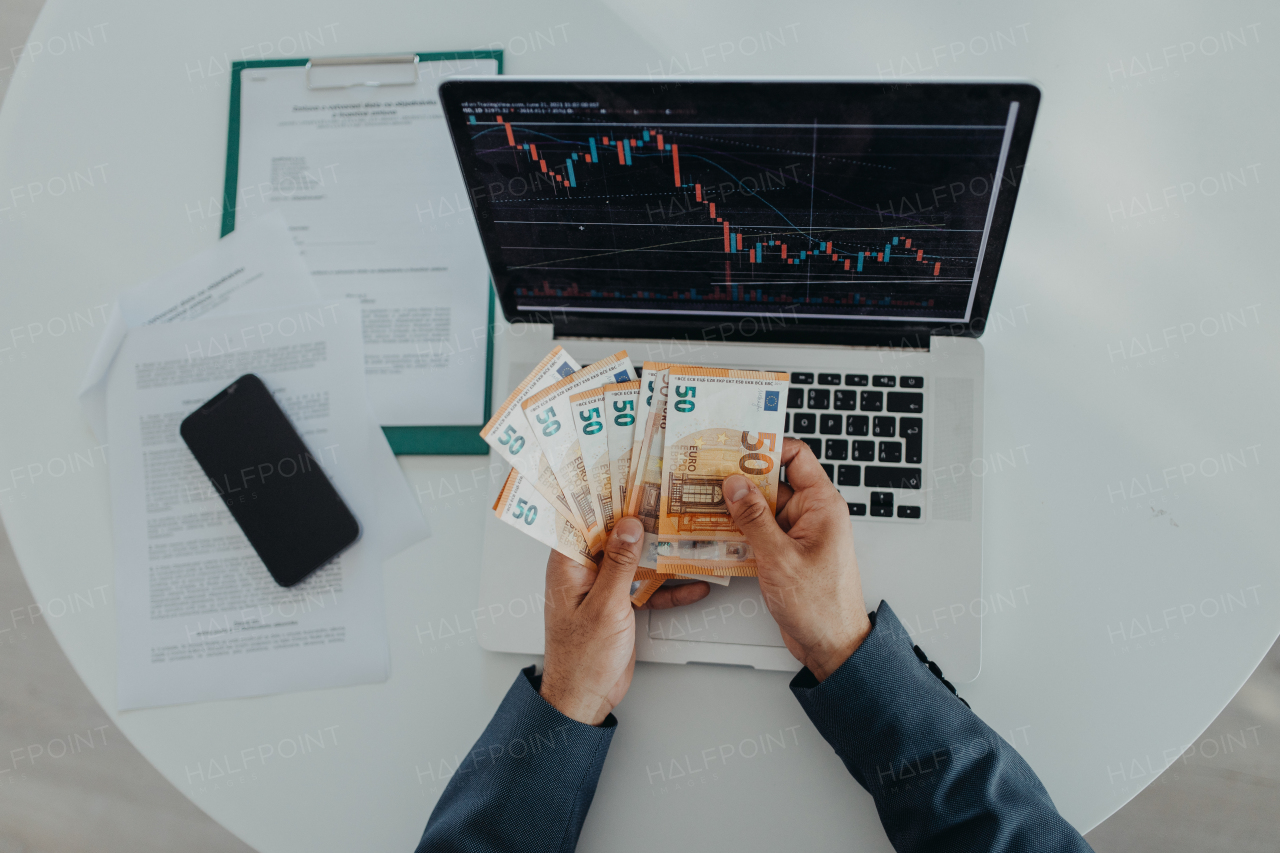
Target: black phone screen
(272, 484)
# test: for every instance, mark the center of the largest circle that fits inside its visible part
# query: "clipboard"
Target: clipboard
(394, 70)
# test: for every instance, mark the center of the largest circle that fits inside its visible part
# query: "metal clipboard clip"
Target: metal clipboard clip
(337, 72)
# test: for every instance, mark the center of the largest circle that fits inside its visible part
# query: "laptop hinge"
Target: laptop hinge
(690, 345)
(914, 340)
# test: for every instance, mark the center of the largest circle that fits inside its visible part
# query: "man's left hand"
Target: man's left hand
(591, 630)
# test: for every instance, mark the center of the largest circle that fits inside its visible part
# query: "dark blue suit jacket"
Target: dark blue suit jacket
(942, 780)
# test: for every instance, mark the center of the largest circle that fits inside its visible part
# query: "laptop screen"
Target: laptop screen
(837, 201)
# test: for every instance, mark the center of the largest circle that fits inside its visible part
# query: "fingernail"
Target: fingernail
(629, 530)
(736, 488)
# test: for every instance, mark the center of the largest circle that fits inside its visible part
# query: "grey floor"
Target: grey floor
(107, 798)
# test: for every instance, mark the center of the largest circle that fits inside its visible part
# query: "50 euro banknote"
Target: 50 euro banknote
(526, 509)
(509, 434)
(588, 416)
(718, 422)
(643, 492)
(644, 478)
(620, 428)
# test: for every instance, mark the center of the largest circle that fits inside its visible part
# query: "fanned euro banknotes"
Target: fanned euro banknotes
(590, 445)
(548, 413)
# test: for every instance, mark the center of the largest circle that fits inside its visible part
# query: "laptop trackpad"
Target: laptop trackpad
(730, 614)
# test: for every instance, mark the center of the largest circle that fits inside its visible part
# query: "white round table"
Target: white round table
(1130, 409)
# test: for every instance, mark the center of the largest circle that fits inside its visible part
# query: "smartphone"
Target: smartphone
(274, 487)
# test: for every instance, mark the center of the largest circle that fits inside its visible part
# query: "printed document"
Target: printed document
(251, 269)
(368, 181)
(199, 616)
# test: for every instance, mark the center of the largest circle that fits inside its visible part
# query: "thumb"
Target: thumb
(753, 517)
(621, 557)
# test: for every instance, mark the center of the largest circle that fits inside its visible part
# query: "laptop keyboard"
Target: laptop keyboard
(867, 430)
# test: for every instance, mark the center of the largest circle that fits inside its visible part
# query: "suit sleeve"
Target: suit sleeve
(526, 784)
(941, 779)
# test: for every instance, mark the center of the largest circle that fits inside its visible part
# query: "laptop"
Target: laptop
(848, 233)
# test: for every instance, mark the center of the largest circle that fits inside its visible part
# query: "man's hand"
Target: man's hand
(808, 571)
(591, 632)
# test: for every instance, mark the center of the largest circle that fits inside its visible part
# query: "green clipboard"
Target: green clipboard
(404, 440)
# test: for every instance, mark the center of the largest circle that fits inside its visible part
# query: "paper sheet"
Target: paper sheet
(252, 269)
(199, 616)
(369, 183)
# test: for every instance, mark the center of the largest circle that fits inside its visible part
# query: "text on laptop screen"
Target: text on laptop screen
(720, 200)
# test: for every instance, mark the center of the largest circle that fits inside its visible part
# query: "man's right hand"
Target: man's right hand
(805, 560)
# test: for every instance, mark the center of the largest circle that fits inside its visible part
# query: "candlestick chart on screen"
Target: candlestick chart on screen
(600, 213)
